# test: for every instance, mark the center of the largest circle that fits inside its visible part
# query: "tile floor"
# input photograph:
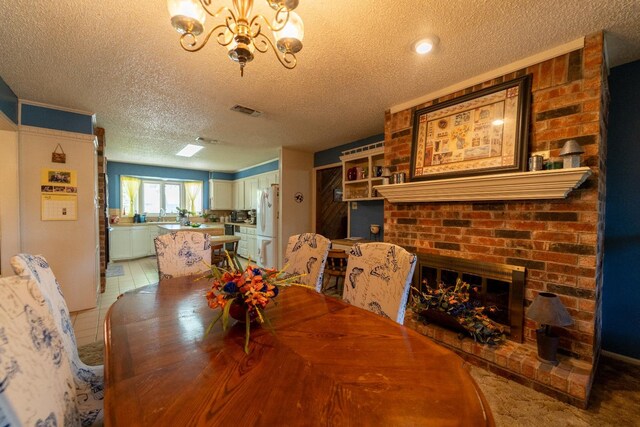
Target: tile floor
(88, 324)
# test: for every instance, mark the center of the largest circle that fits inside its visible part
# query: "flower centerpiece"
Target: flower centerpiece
(183, 216)
(244, 294)
(455, 303)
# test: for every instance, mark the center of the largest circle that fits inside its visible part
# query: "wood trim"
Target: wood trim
(547, 184)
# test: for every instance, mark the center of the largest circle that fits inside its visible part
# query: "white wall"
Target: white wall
(9, 198)
(71, 247)
(296, 168)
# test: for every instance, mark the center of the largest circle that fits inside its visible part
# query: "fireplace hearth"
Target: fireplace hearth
(497, 285)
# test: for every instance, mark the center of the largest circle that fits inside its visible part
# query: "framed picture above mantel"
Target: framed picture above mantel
(484, 132)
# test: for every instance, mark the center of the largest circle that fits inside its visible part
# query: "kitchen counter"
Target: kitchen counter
(203, 227)
(242, 224)
(133, 224)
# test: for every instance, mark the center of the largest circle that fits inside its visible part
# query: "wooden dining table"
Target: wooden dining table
(324, 363)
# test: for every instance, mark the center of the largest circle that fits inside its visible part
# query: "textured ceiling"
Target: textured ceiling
(121, 60)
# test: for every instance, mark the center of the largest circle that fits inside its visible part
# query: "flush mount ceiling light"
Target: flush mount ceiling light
(424, 46)
(189, 150)
(241, 33)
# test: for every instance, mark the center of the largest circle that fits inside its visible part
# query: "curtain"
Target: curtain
(192, 190)
(132, 186)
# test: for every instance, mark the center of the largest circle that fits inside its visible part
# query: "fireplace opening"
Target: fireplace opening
(499, 285)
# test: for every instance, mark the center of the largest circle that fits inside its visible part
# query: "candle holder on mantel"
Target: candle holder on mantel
(374, 232)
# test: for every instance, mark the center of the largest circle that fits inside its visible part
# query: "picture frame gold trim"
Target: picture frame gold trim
(484, 132)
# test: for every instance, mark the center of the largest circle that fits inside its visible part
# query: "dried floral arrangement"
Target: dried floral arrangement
(455, 301)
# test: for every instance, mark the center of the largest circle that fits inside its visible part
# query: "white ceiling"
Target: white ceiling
(121, 60)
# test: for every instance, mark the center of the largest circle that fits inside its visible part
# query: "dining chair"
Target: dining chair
(378, 279)
(220, 256)
(37, 383)
(336, 267)
(182, 253)
(306, 255)
(89, 380)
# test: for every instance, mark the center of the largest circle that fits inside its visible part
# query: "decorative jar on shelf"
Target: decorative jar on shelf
(352, 173)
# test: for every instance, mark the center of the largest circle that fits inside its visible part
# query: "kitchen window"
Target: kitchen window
(151, 195)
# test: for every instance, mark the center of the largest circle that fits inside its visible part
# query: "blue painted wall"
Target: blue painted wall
(368, 212)
(621, 283)
(43, 117)
(115, 169)
(8, 102)
(256, 170)
(332, 155)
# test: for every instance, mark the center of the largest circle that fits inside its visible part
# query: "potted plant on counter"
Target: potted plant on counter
(183, 216)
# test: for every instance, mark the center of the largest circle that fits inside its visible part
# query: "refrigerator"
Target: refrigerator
(267, 213)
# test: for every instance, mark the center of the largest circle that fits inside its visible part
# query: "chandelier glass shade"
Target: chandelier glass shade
(240, 32)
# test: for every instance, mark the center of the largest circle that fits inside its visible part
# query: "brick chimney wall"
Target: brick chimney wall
(560, 242)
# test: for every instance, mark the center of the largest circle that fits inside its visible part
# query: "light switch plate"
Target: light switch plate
(354, 206)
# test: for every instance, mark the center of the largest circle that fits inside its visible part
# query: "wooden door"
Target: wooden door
(331, 211)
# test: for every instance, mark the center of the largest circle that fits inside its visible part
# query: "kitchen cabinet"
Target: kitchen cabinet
(119, 243)
(130, 242)
(247, 246)
(238, 195)
(221, 194)
(251, 193)
(363, 163)
(139, 242)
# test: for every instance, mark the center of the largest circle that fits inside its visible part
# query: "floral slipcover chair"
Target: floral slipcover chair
(307, 254)
(378, 279)
(89, 380)
(182, 253)
(36, 383)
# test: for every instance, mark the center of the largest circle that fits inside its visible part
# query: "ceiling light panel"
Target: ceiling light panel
(189, 150)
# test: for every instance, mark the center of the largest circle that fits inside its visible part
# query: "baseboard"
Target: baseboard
(621, 357)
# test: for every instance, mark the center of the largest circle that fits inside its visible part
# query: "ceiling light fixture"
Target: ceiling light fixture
(423, 46)
(189, 150)
(241, 33)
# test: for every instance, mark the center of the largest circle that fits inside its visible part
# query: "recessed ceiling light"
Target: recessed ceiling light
(497, 122)
(189, 150)
(423, 46)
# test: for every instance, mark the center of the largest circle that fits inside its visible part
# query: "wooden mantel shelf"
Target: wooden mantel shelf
(548, 184)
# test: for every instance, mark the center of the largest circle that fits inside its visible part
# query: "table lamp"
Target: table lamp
(547, 310)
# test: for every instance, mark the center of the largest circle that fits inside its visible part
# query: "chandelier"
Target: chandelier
(241, 32)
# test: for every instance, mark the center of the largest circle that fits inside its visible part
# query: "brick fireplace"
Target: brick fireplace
(558, 242)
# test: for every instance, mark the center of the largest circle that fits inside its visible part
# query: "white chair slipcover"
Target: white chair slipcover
(307, 254)
(378, 279)
(89, 380)
(182, 253)
(36, 384)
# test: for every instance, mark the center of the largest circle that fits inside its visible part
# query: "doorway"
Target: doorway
(331, 211)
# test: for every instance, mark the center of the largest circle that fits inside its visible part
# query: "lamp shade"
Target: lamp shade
(571, 147)
(547, 309)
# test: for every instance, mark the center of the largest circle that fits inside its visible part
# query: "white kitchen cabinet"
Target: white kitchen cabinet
(250, 193)
(152, 232)
(238, 195)
(119, 243)
(247, 246)
(139, 241)
(130, 242)
(273, 178)
(221, 194)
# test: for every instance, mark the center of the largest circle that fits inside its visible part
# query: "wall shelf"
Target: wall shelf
(367, 158)
(548, 184)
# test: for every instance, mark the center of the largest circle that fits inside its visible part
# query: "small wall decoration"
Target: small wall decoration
(59, 181)
(59, 207)
(483, 132)
(299, 197)
(58, 156)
